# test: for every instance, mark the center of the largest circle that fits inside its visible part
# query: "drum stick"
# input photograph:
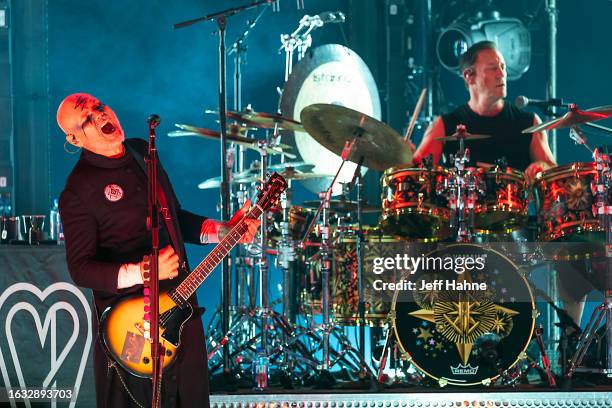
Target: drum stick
(415, 115)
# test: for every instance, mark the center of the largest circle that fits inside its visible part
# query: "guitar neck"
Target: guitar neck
(188, 287)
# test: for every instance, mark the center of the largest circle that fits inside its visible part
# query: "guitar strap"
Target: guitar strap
(165, 212)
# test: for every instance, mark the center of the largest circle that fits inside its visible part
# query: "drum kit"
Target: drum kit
(323, 249)
(316, 244)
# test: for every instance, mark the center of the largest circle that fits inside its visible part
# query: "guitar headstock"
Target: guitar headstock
(270, 192)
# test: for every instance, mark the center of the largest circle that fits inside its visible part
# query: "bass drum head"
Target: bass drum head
(465, 337)
(332, 74)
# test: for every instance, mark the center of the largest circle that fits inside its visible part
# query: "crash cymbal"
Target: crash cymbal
(378, 145)
(573, 117)
(266, 120)
(343, 206)
(261, 120)
(189, 130)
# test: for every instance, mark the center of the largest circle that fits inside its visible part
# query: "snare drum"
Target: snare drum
(299, 220)
(414, 203)
(565, 204)
(503, 201)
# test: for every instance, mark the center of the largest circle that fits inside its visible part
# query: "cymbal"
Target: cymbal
(189, 130)
(465, 136)
(264, 120)
(379, 145)
(252, 176)
(343, 206)
(291, 174)
(261, 120)
(278, 167)
(573, 117)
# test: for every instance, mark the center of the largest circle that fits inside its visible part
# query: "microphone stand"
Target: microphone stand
(221, 20)
(157, 352)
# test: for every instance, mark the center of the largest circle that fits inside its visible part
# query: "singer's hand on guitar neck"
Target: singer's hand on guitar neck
(168, 263)
(252, 224)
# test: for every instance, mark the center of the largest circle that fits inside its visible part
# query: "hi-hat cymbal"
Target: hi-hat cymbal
(188, 130)
(343, 206)
(573, 117)
(377, 144)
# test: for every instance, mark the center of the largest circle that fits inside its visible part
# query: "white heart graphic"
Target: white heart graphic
(43, 330)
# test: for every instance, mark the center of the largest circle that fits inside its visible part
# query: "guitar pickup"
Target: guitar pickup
(141, 330)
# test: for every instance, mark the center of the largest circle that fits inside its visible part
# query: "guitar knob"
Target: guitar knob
(146, 360)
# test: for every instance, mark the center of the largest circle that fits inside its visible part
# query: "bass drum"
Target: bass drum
(454, 329)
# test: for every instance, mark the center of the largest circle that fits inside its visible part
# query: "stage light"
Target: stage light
(511, 36)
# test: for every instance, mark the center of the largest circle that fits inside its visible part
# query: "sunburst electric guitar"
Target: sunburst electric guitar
(122, 325)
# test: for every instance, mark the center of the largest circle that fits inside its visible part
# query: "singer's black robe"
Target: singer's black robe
(103, 209)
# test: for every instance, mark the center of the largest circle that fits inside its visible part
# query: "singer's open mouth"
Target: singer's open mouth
(108, 128)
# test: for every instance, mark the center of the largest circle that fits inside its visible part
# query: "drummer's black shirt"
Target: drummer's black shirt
(505, 130)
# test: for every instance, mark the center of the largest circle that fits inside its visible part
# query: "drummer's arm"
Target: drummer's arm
(429, 144)
(539, 150)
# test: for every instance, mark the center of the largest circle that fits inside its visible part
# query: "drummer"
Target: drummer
(487, 112)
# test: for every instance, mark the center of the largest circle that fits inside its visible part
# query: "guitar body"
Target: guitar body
(122, 332)
(122, 325)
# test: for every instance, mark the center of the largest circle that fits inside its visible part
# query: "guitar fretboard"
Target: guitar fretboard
(188, 287)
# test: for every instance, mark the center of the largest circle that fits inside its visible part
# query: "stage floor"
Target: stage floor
(602, 398)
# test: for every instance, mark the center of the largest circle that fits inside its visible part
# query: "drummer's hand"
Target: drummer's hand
(534, 168)
(252, 224)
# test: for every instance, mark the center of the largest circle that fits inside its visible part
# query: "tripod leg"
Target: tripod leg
(585, 339)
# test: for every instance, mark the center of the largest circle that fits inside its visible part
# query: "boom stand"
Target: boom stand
(221, 20)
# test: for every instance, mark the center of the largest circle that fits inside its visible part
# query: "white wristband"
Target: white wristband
(129, 275)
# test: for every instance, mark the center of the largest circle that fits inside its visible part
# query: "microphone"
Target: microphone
(153, 120)
(522, 101)
(332, 17)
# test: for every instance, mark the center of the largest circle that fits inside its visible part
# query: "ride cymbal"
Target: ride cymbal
(377, 144)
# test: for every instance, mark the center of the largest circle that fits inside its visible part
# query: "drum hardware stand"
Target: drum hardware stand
(544, 357)
(242, 269)
(253, 325)
(221, 20)
(604, 311)
(300, 39)
(326, 329)
(462, 192)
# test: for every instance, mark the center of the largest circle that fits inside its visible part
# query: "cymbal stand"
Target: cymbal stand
(221, 19)
(601, 191)
(327, 329)
(243, 269)
(286, 256)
